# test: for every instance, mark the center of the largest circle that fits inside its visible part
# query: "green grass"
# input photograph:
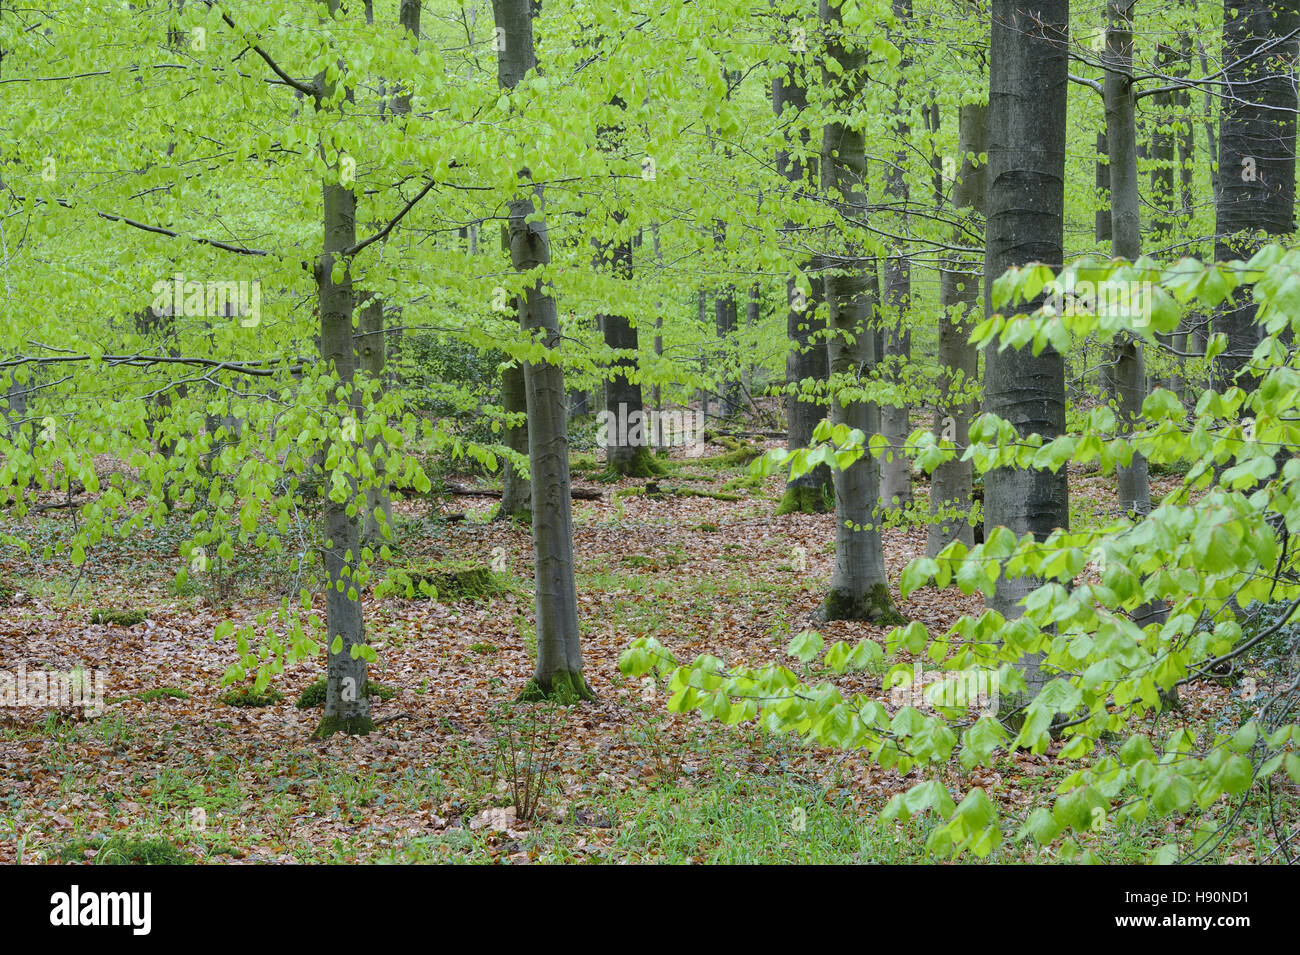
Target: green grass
(120, 850)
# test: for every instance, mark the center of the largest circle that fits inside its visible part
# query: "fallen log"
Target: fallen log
(578, 493)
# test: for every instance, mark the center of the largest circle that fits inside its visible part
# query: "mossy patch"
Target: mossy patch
(349, 726)
(450, 581)
(804, 499)
(314, 694)
(674, 556)
(247, 696)
(155, 694)
(483, 648)
(564, 688)
(875, 606)
(119, 618)
(119, 850)
(641, 464)
(738, 453)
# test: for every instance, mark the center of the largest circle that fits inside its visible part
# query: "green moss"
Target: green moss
(708, 528)
(314, 694)
(875, 606)
(804, 499)
(119, 850)
(746, 482)
(247, 696)
(349, 726)
(483, 648)
(583, 462)
(641, 464)
(738, 454)
(450, 581)
(119, 618)
(161, 692)
(694, 492)
(565, 688)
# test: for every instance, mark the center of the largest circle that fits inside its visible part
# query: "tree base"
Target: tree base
(641, 464)
(875, 606)
(522, 515)
(565, 688)
(804, 499)
(349, 725)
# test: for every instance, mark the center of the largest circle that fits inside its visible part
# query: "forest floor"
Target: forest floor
(170, 771)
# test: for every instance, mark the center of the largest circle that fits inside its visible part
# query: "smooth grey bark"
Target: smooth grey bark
(1126, 238)
(896, 468)
(725, 321)
(806, 360)
(951, 483)
(371, 360)
(859, 588)
(559, 653)
(347, 705)
(1101, 228)
(1025, 204)
(1170, 147)
(623, 400)
(516, 488)
(1257, 157)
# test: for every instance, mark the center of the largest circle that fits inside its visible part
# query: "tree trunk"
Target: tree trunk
(1126, 240)
(516, 489)
(371, 356)
(347, 706)
(1026, 199)
(859, 588)
(806, 361)
(628, 453)
(1257, 156)
(559, 654)
(896, 469)
(951, 484)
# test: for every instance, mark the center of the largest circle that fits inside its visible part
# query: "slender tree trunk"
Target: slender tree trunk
(1026, 199)
(516, 488)
(628, 453)
(378, 523)
(725, 316)
(859, 588)
(951, 484)
(1126, 240)
(1101, 228)
(895, 421)
(347, 705)
(806, 362)
(559, 653)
